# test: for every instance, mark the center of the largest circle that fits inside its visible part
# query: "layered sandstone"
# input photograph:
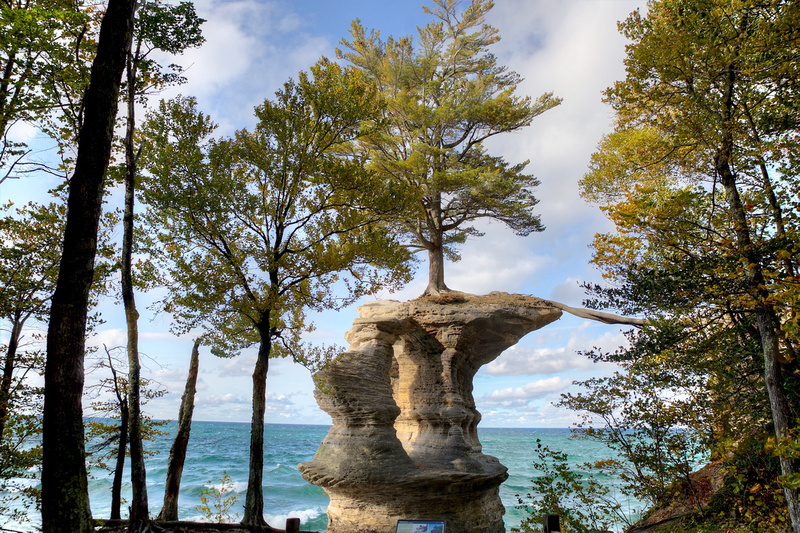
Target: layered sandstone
(404, 441)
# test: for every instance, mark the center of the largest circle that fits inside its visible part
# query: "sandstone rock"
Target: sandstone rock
(404, 441)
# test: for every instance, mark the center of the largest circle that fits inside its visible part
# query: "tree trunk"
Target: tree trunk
(9, 365)
(435, 245)
(254, 499)
(65, 495)
(436, 283)
(139, 510)
(768, 327)
(177, 454)
(122, 448)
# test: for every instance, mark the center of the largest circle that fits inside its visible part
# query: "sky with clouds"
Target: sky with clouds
(569, 47)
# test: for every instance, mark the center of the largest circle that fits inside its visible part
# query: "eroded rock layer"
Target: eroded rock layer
(404, 440)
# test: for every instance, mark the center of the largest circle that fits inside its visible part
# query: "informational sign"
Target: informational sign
(420, 526)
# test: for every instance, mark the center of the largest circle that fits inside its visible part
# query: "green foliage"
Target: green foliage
(575, 495)
(699, 178)
(20, 448)
(29, 256)
(45, 53)
(166, 28)
(215, 503)
(278, 214)
(788, 448)
(444, 96)
(107, 401)
(641, 423)
(749, 500)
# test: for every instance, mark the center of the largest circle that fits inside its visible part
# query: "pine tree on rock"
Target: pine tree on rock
(444, 97)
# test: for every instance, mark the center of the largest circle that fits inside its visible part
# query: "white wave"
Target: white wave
(234, 486)
(278, 520)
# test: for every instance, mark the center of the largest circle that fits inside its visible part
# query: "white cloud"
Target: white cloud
(498, 261)
(251, 49)
(22, 132)
(110, 338)
(525, 360)
(234, 367)
(519, 397)
(568, 292)
(228, 398)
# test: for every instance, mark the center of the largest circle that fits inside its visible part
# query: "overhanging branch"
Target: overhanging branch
(591, 314)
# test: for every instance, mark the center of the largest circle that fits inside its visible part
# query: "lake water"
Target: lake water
(220, 448)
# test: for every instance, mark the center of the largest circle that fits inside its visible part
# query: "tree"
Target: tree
(709, 102)
(177, 453)
(654, 414)
(65, 498)
(29, 257)
(443, 100)
(169, 29)
(573, 493)
(278, 214)
(43, 61)
(109, 441)
(29, 260)
(20, 451)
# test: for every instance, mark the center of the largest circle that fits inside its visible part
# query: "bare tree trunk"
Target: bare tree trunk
(139, 519)
(254, 498)
(65, 494)
(9, 366)
(177, 454)
(122, 447)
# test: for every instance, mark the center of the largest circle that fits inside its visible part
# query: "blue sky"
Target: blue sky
(570, 47)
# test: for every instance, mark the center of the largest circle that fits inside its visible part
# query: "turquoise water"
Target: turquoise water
(217, 448)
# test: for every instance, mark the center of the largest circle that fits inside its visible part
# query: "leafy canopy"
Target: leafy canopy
(258, 228)
(445, 95)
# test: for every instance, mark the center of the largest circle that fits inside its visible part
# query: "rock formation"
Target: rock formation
(404, 441)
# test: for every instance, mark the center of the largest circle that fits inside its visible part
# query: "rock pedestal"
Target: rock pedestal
(404, 441)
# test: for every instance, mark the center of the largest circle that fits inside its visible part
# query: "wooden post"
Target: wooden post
(292, 525)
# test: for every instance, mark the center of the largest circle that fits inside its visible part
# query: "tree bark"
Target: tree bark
(768, 325)
(65, 495)
(122, 447)
(436, 284)
(435, 245)
(139, 519)
(9, 365)
(177, 454)
(254, 498)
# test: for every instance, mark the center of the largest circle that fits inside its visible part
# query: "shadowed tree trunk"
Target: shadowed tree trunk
(254, 499)
(768, 330)
(65, 495)
(9, 365)
(119, 468)
(139, 519)
(177, 454)
(122, 446)
(434, 244)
